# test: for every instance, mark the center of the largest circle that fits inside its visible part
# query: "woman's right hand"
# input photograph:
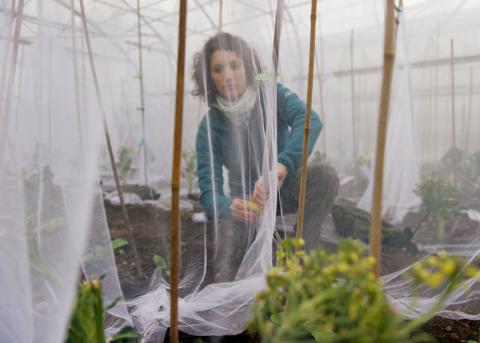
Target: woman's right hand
(242, 211)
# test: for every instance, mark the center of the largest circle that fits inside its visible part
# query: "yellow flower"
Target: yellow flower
(471, 271)
(435, 280)
(342, 267)
(448, 267)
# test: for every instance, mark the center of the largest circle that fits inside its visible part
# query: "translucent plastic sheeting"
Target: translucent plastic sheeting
(48, 171)
(56, 179)
(401, 176)
(223, 260)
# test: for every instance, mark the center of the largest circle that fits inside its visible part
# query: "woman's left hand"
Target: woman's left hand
(282, 174)
(260, 192)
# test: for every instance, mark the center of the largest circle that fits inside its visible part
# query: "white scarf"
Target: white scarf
(239, 110)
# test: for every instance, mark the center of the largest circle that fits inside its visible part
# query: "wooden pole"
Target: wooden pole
(6, 54)
(454, 131)
(354, 126)
(389, 61)
(49, 97)
(176, 169)
(306, 131)
(452, 68)
(142, 97)
(19, 89)
(275, 58)
(220, 16)
(10, 82)
(75, 77)
(435, 103)
(276, 35)
(469, 111)
(323, 115)
(107, 139)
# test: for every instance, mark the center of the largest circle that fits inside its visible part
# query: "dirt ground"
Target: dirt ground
(151, 234)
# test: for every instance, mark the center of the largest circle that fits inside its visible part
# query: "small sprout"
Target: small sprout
(118, 244)
(161, 264)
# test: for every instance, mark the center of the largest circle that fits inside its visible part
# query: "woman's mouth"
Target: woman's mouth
(230, 87)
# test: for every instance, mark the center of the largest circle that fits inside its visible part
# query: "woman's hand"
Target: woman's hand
(244, 211)
(282, 174)
(260, 192)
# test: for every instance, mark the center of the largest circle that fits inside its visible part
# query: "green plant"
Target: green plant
(438, 198)
(124, 162)
(87, 322)
(161, 264)
(118, 244)
(442, 271)
(98, 251)
(318, 297)
(189, 167)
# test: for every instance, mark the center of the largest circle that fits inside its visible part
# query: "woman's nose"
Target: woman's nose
(228, 75)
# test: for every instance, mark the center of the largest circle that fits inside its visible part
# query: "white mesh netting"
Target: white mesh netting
(243, 132)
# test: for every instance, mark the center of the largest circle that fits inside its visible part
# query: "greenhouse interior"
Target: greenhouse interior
(239, 171)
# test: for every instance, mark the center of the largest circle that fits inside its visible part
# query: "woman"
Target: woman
(227, 74)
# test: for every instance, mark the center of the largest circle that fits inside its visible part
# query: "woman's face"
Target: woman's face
(228, 74)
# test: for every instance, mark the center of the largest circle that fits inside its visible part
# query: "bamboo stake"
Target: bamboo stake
(320, 89)
(469, 111)
(107, 138)
(276, 35)
(454, 131)
(389, 60)
(275, 58)
(20, 85)
(354, 126)
(176, 169)
(220, 16)
(6, 55)
(452, 68)
(435, 111)
(49, 97)
(4, 112)
(299, 49)
(142, 97)
(85, 99)
(75, 77)
(306, 131)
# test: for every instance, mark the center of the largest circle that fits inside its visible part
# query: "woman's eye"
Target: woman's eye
(234, 65)
(217, 70)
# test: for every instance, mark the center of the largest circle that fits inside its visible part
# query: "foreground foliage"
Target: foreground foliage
(438, 198)
(323, 297)
(87, 322)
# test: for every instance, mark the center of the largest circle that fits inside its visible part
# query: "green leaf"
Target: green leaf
(119, 243)
(160, 262)
(127, 334)
(113, 304)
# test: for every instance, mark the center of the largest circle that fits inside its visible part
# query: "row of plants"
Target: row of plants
(311, 297)
(125, 161)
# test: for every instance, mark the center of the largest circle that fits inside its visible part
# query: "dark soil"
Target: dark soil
(151, 226)
(244, 337)
(447, 330)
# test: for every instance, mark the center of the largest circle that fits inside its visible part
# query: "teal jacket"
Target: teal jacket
(224, 140)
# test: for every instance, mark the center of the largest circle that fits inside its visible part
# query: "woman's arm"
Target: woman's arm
(211, 185)
(293, 111)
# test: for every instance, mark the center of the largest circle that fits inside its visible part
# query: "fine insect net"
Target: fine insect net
(61, 217)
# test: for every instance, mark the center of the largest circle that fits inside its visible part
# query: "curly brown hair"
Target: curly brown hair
(201, 63)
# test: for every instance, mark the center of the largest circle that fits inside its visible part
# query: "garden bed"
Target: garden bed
(151, 225)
